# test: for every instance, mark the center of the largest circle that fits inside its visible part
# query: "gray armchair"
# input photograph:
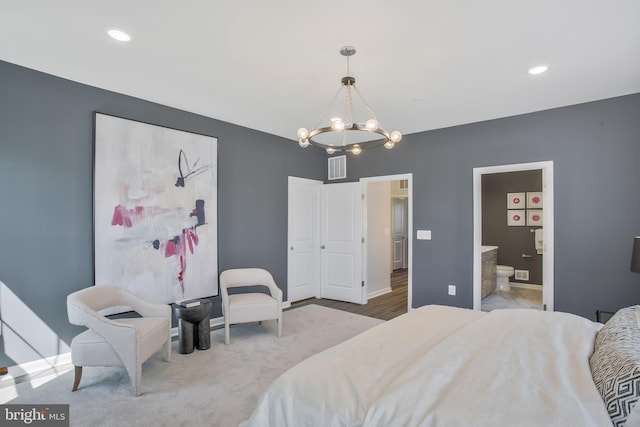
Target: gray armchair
(117, 342)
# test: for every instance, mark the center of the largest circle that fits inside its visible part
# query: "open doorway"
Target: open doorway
(385, 255)
(525, 218)
(387, 245)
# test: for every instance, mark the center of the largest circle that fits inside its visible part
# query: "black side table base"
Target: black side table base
(193, 327)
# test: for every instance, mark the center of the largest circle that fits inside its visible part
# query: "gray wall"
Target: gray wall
(46, 155)
(595, 148)
(512, 241)
(46, 192)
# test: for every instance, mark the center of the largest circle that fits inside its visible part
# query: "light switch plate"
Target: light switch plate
(424, 234)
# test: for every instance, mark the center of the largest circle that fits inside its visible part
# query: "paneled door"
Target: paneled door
(399, 221)
(303, 260)
(341, 242)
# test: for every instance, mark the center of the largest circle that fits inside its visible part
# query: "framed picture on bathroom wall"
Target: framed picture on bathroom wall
(534, 200)
(516, 218)
(534, 217)
(516, 200)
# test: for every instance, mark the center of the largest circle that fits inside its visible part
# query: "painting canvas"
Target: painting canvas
(516, 218)
(534, 217)
(155, 210)
(515, 200)
(534, 200)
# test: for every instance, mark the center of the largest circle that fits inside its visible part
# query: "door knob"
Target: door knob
(291, 247)
(322, 247)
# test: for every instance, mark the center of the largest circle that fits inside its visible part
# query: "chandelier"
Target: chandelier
(342, 132)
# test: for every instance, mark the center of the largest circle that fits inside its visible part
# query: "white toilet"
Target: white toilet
(504, 272)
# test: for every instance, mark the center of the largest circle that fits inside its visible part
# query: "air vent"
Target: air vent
(337, 167)
(522, 275)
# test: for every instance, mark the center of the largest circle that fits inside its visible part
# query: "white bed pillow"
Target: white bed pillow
(615, 366)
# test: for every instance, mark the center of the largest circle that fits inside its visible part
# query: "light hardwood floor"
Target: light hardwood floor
(384, 307)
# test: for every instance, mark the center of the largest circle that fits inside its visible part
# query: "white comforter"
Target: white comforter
(445, 366)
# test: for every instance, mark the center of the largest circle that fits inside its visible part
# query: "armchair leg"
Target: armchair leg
(76, 379)
(279, 322)
(135, 376)
(167, 350)
(226, 332)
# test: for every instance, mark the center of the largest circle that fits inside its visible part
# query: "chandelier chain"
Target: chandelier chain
(328, 110)
(365, 103)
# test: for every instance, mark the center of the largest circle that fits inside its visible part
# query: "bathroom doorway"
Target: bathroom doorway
(513, 229)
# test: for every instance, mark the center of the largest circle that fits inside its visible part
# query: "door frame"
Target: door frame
(547, 234)
(389, 178)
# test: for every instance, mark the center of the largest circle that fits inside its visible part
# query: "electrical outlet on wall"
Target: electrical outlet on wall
(452, 290)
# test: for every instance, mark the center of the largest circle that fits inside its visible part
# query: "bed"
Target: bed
(447, 366)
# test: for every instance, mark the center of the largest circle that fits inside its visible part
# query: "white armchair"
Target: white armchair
(117, 342)
(249, 307)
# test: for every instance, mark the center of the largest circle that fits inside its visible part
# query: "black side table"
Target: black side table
(193, 327)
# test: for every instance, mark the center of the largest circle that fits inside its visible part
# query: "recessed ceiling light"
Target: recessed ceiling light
(538, 69)
(118, 34)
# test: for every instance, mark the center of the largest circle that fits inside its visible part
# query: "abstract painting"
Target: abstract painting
(155, 210)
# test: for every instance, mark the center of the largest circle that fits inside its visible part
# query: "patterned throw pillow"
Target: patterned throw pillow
(615, 364)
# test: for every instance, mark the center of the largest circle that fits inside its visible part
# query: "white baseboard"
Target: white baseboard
(380, 292)
(525, 286)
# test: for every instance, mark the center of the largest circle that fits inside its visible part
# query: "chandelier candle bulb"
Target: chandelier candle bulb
(372, 125)
(303, 133)
(395, 136)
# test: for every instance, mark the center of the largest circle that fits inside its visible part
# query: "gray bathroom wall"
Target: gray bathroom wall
(46, 199)
(512, 241)
(595, 148)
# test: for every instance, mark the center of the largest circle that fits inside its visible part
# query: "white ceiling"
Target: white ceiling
(274, 65)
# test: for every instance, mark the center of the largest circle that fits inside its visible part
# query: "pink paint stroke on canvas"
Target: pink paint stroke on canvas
(174, 247)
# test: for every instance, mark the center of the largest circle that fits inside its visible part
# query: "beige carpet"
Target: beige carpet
(216, 387)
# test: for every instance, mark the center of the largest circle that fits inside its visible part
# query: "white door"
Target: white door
(303, 260)
(398, 217)
(341, 243)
